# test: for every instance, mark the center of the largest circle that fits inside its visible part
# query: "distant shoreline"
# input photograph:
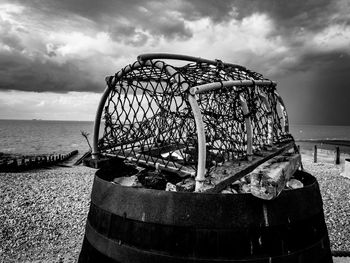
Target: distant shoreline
(326, 141)
(44, 120)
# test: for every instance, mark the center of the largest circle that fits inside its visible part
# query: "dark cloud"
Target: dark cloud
(120, 18)
(166, 18)
(9, 36)
(313, 84)
(137, 36)
(51, 49)
(290, 14)
(18, 72)
(218, 11)
(318, 91)
(120, 31)
(330, 87)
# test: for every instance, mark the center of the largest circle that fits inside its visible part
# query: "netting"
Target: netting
(148, 117)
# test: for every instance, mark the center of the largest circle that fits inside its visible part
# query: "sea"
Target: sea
(320, 132)
(39, 137)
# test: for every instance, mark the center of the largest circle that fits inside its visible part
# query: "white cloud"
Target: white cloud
(28, 105)
(80, 44)
(333, 38)
(96, 53)
(250, 42)
(9, 11)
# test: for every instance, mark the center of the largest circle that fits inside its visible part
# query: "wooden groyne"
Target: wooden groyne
(18, 164)
(335, 153)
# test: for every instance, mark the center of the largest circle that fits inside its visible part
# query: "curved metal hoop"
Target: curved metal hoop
(213, 91)
(193, 103)
(149, 56)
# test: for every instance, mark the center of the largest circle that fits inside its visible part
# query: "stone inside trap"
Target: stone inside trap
(197, 126)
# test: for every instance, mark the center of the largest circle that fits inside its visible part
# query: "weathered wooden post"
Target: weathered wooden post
(337, 155)
(14, 164)
(30, 162)
(3, 166)
(315, 154)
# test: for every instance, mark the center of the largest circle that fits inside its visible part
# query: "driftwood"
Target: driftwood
(269, 179)
(223, 176)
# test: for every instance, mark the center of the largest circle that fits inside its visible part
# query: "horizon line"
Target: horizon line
(40, 119)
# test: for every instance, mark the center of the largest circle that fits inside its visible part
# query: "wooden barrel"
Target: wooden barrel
(143, 225)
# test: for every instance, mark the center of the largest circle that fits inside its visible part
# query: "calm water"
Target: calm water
(302, 132)
(42, 137)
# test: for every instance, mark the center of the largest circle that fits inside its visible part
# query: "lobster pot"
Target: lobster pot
(175, 140)
(143, 225)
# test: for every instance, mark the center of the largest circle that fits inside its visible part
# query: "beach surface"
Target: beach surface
(43, 212)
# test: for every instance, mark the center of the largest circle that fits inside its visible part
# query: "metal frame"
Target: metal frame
(111, 82)
(145, 59)
(200, 177)
(230, 83)
(150, 56)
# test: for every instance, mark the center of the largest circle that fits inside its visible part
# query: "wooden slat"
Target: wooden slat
(269, 179)
(231, 171)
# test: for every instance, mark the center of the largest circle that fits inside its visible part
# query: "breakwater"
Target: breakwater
(24, 163)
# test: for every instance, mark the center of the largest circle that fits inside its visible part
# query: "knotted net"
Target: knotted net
(148, 116)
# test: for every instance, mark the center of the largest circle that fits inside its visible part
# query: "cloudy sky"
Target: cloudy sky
(54, 54)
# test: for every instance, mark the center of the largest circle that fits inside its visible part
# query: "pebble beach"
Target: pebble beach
(43, 212)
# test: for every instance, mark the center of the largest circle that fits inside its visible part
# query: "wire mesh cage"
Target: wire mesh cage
(209, 127)
(187, 118)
